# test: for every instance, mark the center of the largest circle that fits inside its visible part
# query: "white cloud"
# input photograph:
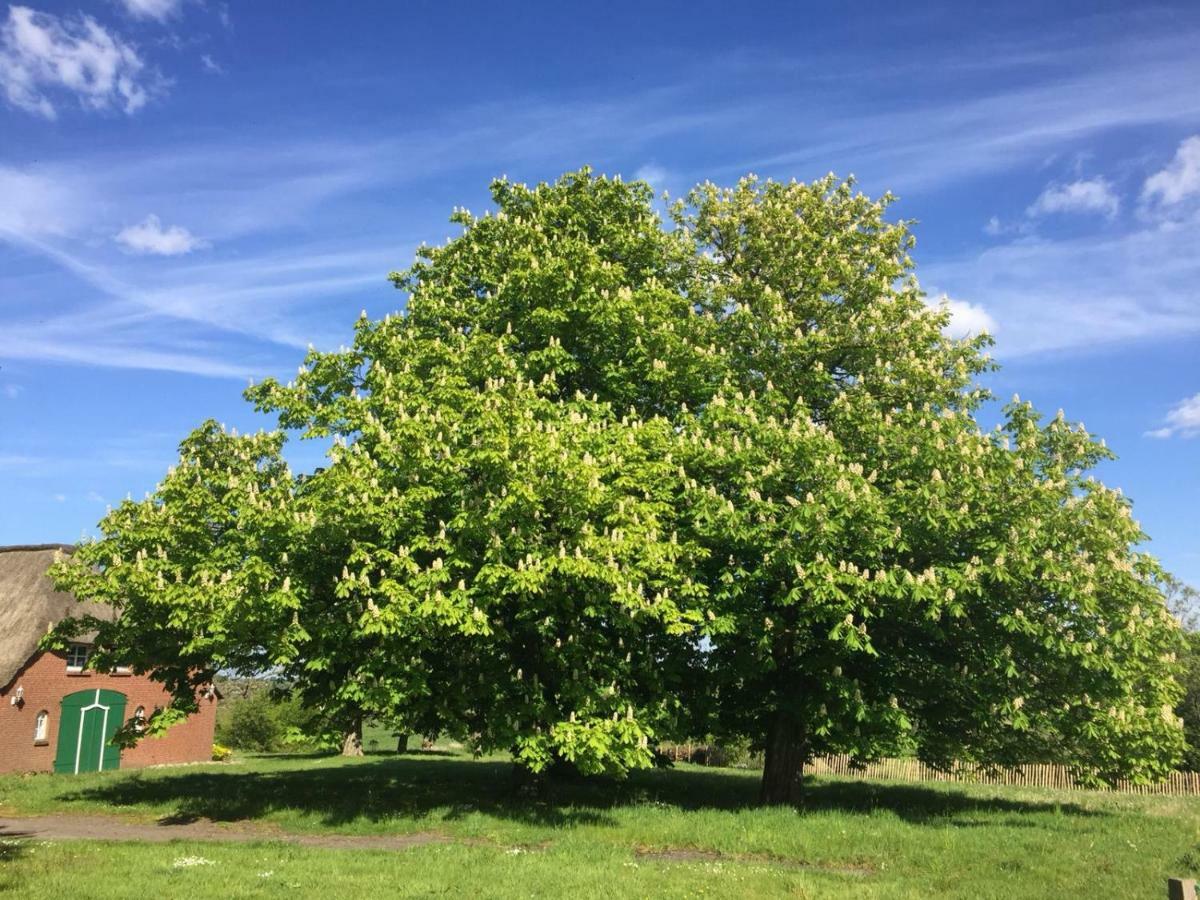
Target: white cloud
(1180, 179)
(1087, 195)
(1183, 420)
(60, 498)
(149, 236)
(10, 391)
(159, 10)
(211, 65)
(966, 319)
(39, 204)
(995, 227)
(1081, 293)
(42, 54)
(653, 174)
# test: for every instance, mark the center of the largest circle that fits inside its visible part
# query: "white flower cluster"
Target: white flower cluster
(189, 862)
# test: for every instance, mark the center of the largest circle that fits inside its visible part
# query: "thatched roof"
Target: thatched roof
(29, 604)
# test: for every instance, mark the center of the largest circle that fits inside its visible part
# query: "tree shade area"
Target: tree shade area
(613, 477)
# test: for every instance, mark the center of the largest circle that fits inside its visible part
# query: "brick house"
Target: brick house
(55, 714)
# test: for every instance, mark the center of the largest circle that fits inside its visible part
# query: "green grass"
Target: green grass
(854, 839)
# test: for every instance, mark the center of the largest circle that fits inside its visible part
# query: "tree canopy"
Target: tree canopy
(609, 477)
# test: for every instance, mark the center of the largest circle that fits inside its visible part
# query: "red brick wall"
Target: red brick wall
(46, 681)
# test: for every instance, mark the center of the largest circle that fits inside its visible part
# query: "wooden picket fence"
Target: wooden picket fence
(1045, 776)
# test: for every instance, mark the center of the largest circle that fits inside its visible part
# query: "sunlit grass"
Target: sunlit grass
(687, 831)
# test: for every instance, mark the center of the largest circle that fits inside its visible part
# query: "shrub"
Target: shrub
(252, 723)
(220, 752)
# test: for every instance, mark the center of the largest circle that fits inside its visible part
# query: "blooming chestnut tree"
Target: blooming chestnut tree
(198, 572)
(608, 478)
(875, 571)
(506, 547)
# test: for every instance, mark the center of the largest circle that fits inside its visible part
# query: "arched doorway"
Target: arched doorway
(89, 720)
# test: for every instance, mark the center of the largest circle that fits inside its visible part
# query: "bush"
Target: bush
(254, 716)
(252, 723)
(220, 753)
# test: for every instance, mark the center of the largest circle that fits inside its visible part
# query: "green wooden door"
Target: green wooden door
(87, 723)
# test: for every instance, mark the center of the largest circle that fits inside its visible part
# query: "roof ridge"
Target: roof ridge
(16, 548)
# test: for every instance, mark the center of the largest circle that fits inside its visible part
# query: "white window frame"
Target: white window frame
(41, 726)
(73, 653)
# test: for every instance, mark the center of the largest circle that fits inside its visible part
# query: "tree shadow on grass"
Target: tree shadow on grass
(434, 789)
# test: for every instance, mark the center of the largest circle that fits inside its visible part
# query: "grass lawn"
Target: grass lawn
(683, 832)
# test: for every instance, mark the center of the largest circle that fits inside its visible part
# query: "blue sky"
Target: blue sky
(192, 191)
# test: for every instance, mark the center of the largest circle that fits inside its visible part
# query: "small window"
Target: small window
(41, 726)
(139, 718)
(77, 656)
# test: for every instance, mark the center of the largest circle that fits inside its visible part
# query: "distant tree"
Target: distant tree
(1182, 600)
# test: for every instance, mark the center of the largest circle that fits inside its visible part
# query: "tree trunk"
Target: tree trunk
(352, 738)
(402, 742)
(783, 767)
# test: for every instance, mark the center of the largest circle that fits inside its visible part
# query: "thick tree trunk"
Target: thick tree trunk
(352, 738)
(783, 767)
(402, 742)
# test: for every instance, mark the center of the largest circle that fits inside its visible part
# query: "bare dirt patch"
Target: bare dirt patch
(102, 828)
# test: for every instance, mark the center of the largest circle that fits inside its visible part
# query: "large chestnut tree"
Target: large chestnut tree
(612, 475)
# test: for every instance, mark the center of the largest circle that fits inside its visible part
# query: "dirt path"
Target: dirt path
(102, 828)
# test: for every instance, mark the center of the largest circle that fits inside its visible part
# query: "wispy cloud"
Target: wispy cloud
(1180, 180)
(1183, 420)
(38, 203)
(1094, 195)
(158, 10)
(295, 280)
(43, 56)
(653, 174)
(211, 65)
(1082, 293)
(149, 236)
(930, 144)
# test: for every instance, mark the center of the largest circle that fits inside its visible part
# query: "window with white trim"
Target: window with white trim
(41, 726)
(77, 656)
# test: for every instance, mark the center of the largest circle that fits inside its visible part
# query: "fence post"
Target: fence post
(1181, 889)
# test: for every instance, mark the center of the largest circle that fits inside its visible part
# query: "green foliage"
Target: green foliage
(1189, 707)
(606, 480)
(263, 716)
(1182, 601)
(252, 724)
